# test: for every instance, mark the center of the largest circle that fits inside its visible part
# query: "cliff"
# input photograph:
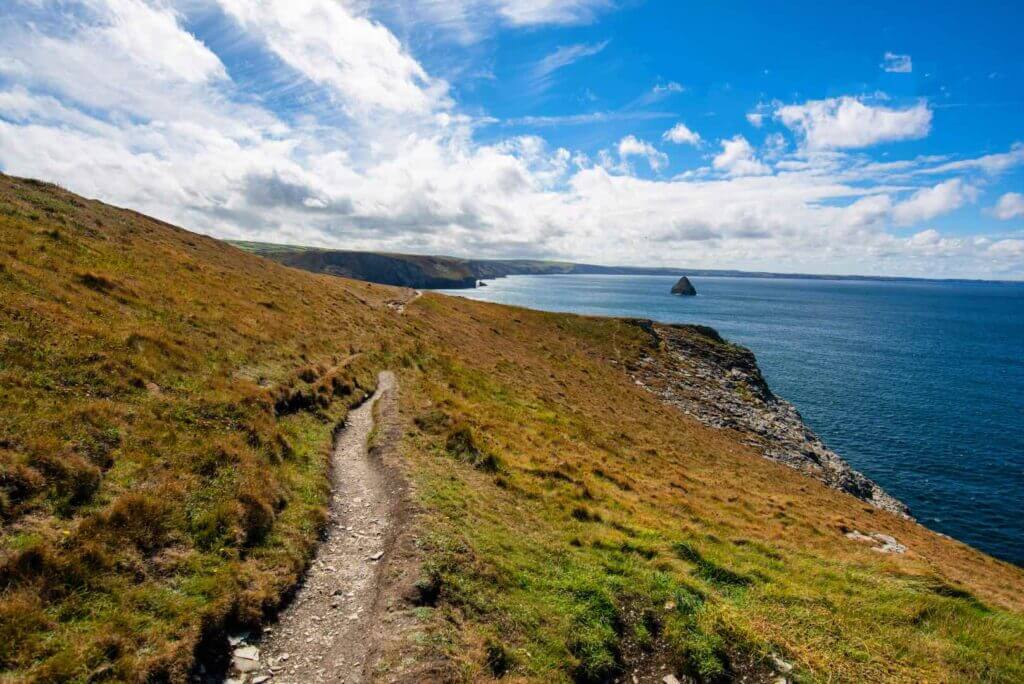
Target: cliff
(720, 384)
(387, 269)
(446, 272)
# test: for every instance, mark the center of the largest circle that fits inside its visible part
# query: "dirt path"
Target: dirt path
(398, 305)
(327, 632)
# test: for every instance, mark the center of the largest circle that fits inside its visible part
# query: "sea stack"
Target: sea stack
(684, 288)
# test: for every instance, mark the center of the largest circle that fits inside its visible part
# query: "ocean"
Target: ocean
(918, 384)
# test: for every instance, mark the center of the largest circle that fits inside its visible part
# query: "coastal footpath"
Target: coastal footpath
(564, 498)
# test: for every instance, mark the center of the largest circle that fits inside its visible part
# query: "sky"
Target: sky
(872, 138)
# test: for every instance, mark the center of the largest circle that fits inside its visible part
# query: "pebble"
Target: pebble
(781, 665)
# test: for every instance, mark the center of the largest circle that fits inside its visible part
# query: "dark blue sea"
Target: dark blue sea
(919, 385)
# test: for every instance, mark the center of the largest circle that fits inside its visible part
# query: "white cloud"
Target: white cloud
(848, 122)
(897, 64)
(631, 146)
(992, 164)
(536, 12)
(774, 146)
(469, 21)
(360, 60)
(180, 140)
(563, 56)
(1010, 205)
(680, 134)
(133, 44)
(927, 203)
(756, 119)
(737, 159)
(670, 87)
(586, 118)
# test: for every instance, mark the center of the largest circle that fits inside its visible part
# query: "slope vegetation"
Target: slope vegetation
(165, 419)
(166, 413)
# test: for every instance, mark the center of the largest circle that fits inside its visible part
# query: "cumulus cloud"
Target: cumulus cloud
(850, 122)
(737, 159)
(1010, 205)
(680, 134)
(897, 64)
(756, 119)
(631, 146)
(927, 203)
(169, 132)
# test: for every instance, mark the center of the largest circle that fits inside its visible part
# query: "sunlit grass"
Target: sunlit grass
(166, 412)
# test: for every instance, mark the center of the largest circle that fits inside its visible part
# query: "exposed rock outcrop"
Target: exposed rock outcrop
(720, 384)
(684, 287)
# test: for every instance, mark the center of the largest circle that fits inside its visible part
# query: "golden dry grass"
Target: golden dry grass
(166, 408)
(605, 499)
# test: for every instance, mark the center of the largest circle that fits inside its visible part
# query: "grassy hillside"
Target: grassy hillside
(166, 408)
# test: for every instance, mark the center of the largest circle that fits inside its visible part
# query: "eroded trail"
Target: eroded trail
(325, 634)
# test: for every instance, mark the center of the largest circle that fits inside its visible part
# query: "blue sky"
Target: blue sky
(868, 138)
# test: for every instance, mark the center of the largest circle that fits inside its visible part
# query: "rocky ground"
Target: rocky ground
(327, 633)
(720, 385)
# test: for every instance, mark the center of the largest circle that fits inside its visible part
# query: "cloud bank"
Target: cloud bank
(310, 122)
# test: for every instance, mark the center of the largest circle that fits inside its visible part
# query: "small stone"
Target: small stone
(781, 665)
(377, 556)
(247, 652)
(245, 665)
(260, 679)
(246, 658)
(670, 679)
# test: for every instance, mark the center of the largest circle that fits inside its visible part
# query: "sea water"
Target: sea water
(918, 384)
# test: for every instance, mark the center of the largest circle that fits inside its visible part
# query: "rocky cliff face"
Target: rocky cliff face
(406, 271)
(720, 385)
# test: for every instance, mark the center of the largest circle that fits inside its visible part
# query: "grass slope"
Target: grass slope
(166, 409)
(579, 526)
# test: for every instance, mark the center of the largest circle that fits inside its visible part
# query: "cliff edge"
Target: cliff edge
(721, 385)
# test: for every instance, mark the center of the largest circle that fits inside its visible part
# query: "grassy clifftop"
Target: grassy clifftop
(166, 408)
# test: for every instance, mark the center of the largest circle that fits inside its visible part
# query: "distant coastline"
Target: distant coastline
(453, 273)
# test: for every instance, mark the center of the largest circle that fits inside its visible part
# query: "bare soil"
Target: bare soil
(329, 630)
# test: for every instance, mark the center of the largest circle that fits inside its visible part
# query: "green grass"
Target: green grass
(165, 421)
(165, 418)
(614, 529)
